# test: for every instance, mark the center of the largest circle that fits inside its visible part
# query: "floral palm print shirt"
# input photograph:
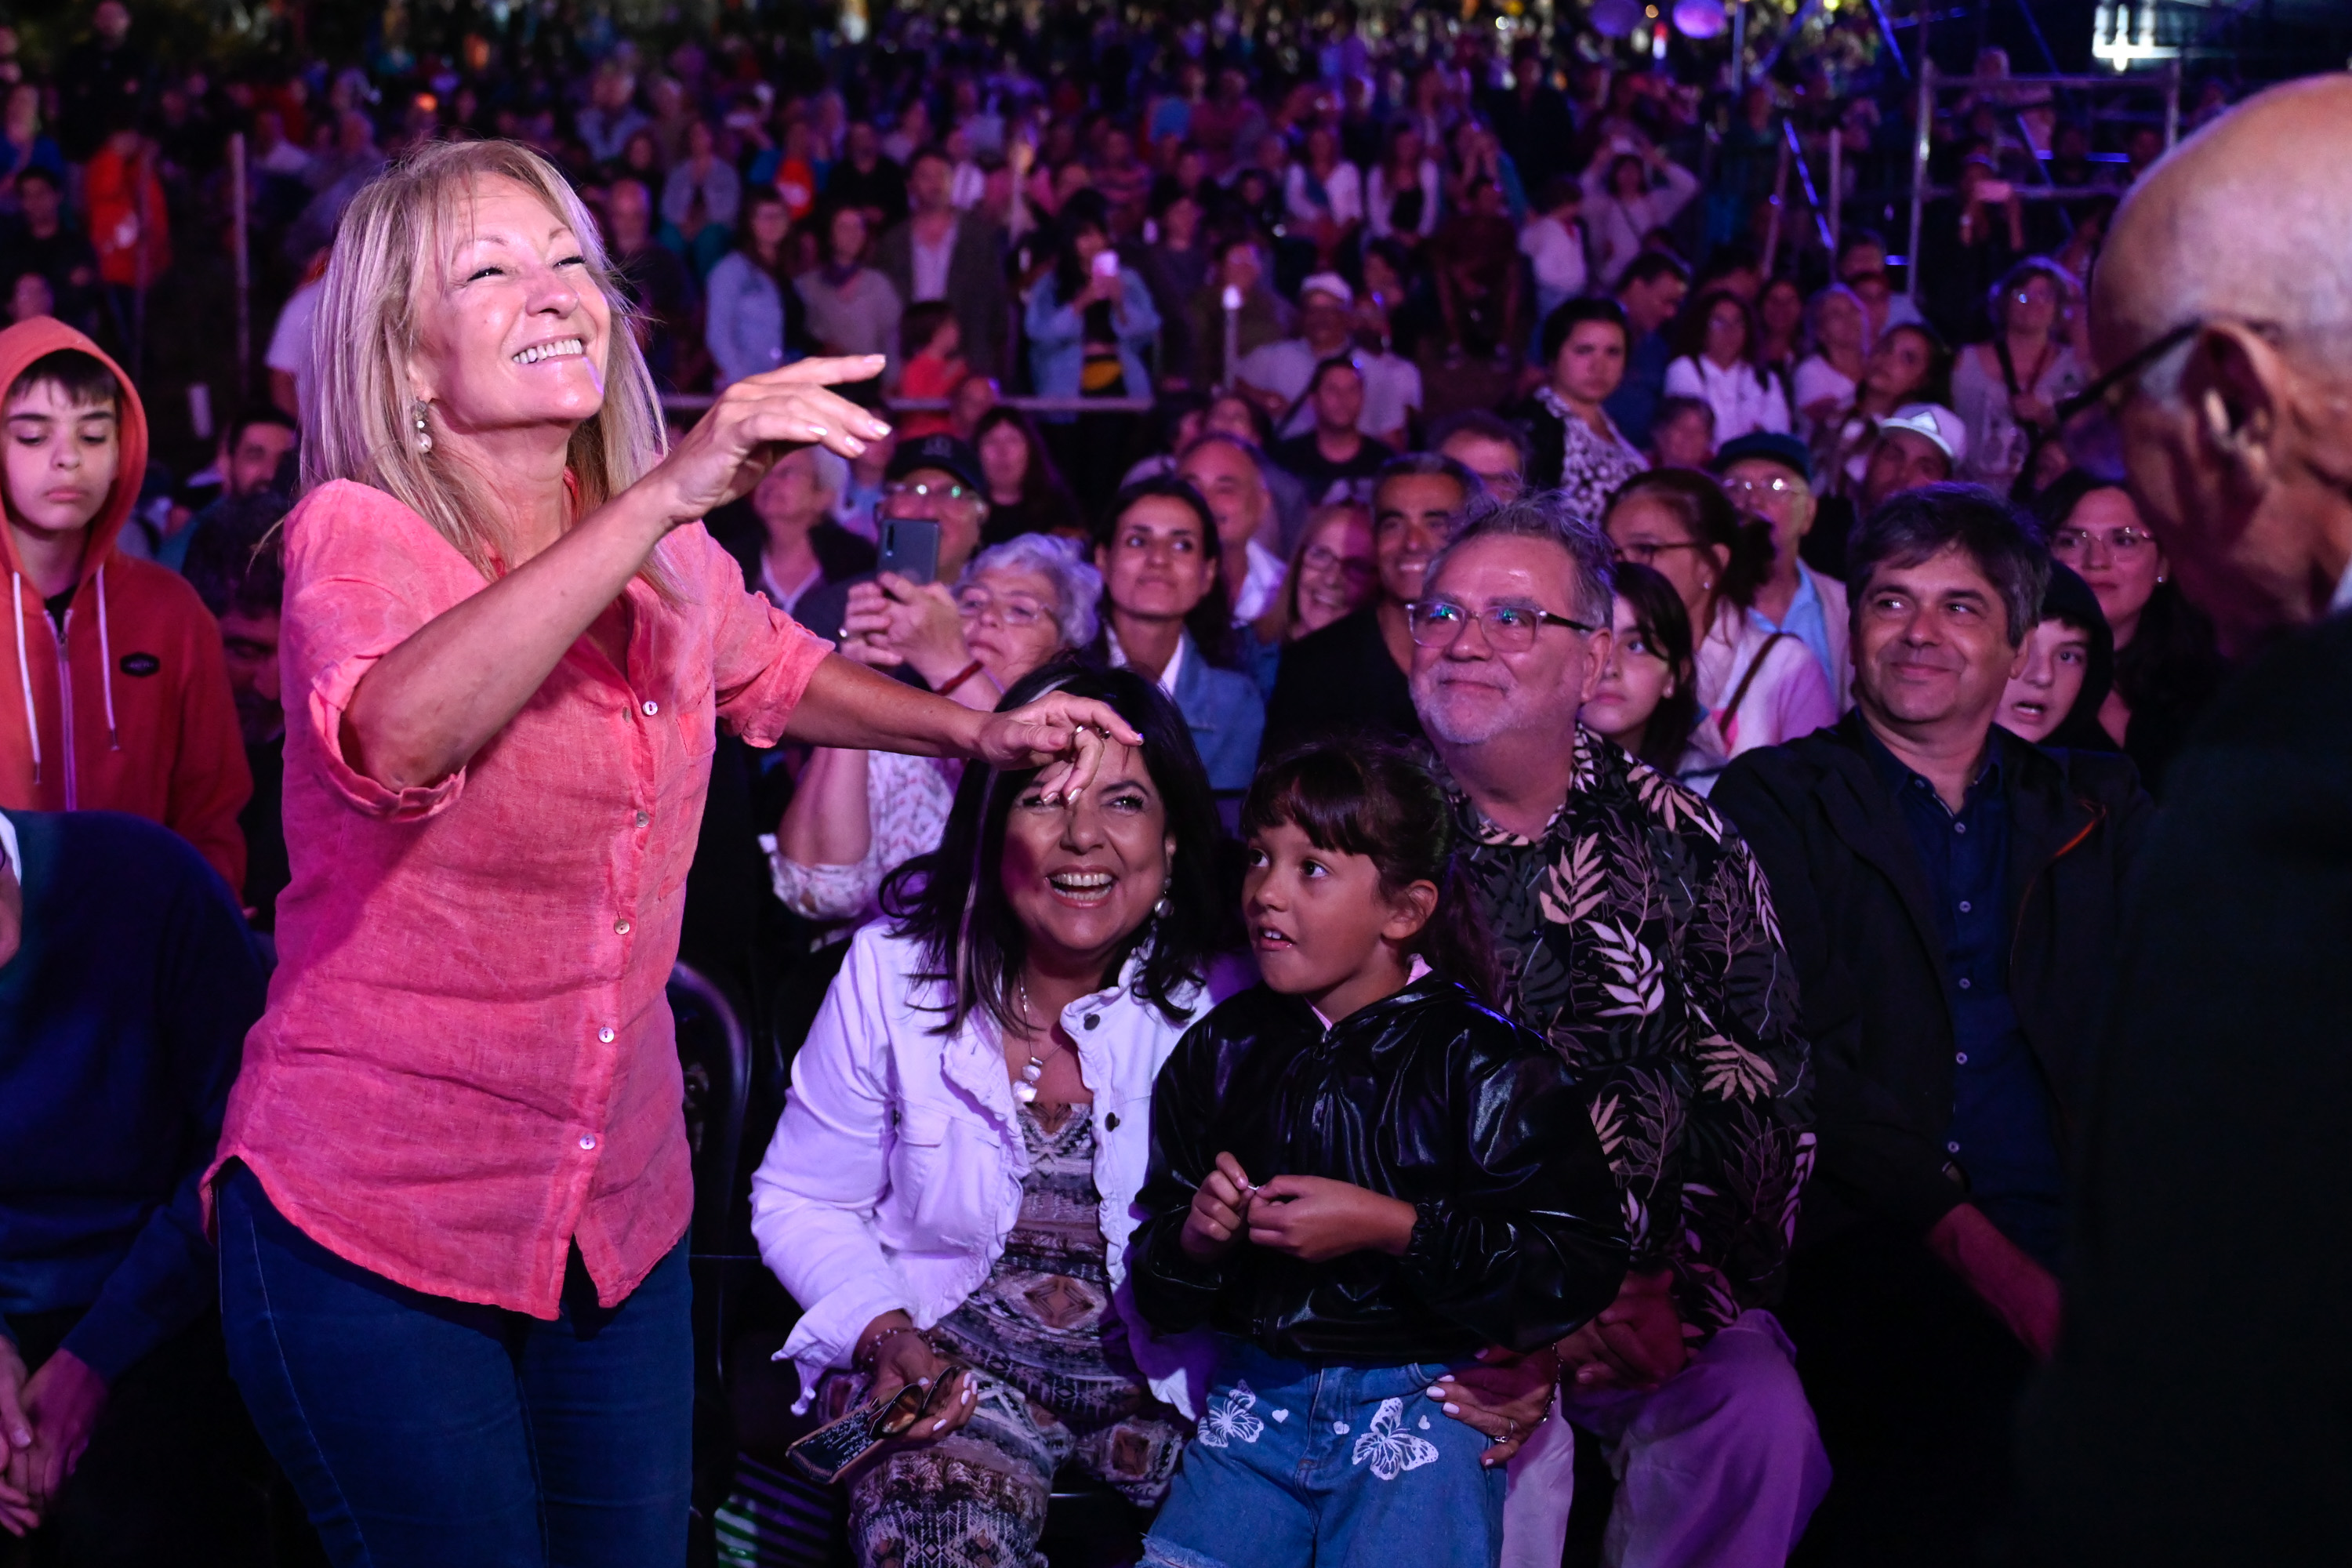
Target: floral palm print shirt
(1637, 935)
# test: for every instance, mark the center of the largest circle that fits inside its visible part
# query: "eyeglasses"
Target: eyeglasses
(2087, 422)
(1510, 628)
(1320, 558)
(2123, 544)
(948, 492)
(1012, 612)
(1780, 486)
(1644, 553)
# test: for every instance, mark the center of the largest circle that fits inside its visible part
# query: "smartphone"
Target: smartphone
(910, 547)
(1106, 263)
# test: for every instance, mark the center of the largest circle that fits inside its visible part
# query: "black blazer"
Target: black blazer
(1873, 992)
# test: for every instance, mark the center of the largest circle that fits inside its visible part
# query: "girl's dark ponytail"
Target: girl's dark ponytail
(1362, 795)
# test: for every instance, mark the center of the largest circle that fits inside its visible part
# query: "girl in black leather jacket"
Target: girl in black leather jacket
(1360, 1174)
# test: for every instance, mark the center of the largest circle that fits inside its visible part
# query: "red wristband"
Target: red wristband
(961, 676)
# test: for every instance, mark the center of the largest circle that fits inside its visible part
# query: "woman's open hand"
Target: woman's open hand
(758, 420)
(1503, 1395)
(905, 1358)
(1064, 735)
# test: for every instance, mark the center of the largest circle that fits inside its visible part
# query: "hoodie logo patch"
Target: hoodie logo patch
(141, 664)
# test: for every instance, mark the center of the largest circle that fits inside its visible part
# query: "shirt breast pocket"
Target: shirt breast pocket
(943, 1187)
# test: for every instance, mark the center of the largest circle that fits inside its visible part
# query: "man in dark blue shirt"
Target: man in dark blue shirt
(126, 984)
(1951, 898)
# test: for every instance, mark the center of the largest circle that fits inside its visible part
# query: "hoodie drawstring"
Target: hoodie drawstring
(105, 665)
(24, 671)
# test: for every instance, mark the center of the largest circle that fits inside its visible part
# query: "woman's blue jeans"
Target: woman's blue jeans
(426, 1433)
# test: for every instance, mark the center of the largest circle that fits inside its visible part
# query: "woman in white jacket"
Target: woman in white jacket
(951, 1184)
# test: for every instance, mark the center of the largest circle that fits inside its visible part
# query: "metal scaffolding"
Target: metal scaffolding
(1930, 83)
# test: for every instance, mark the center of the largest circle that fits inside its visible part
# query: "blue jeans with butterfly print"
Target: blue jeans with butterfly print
(1330, 1465)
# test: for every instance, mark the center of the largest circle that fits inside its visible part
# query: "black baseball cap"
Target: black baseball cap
(1770, 446)
(943, 453)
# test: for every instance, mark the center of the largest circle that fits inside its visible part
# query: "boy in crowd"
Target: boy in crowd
(124, 702)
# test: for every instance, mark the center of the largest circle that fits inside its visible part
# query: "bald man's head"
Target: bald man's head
(2238, 441)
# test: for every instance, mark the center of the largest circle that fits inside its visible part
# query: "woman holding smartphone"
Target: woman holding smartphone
(1089, 321)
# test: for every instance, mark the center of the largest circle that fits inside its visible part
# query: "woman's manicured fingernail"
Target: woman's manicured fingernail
(938, 1424)
(1454, 1410)
(856, 448)
(817, 431)
(1435, 1391)
(967, 1397)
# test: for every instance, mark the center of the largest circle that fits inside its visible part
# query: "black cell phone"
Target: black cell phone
(910, 547)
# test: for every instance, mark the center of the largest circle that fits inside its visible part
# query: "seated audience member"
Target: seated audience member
(1637, 937)
(1646, 700)
(1279, 374)
(1475, 256)
(1264, 318)
(234, 568)
(2007, 391)
(1861, 267)
(1333, 453)
(1025, 492)
(1231, 475)
(1908, 367)
(858, 815)
(1554, 244)
(1718, 363)
(1488, 446)
(126, 988)
(1826, 380)
(2168, 669)
(1682, 436)
(938, 479)
(1918, 444)
(1772, 476)
(254, 446)
(1759, 687)
(1651, 294)
(2054, 698)
(1578, 448)
(153, 729)
(1952, 897)
(1418, 1180)
(783, 534)
(1010, 1016)
(1353, 673)
(754, 319)
(1168, 620)
(1332, 574)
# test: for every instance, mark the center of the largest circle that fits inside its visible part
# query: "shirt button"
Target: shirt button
(643, 819)
(1966, 985)
(605, 1035)
(1092, 1019)
(1956, 826)
(1964, 906)
(1951, 1148)
(652, 707)
(587, 1141)
(1961, 1057)
(622, 926)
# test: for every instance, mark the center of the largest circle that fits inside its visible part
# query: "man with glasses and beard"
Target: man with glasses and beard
(2196, 1412)
(1636, 934)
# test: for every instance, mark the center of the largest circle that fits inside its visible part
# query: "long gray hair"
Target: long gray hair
(358, 422)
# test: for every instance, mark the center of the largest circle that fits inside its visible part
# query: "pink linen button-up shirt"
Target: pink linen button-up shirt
(468, 1064)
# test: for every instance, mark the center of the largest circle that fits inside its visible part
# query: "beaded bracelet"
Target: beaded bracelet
(866, 1360)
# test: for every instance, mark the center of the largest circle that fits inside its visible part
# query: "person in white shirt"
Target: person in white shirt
(1622, 205)
(1553, 243)
(1717, 365)
(1276, 376)
(1324, 194)
(1827, 379)
(1230, 473)
(950, 1187)
(1405, 172)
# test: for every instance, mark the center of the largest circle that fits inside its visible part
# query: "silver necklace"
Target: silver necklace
(1026, 1089)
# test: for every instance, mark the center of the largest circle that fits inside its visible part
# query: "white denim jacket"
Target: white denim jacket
(894, 1173)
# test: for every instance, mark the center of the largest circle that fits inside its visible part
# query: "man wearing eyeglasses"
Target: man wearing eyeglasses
(1770, 476)
(937, 479)
(1637, 935)
(2197, 1412)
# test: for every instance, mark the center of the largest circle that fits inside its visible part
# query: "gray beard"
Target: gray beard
(1432, 698)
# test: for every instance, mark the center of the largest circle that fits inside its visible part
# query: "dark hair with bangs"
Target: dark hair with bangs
(953, 900)
(1359, 794)
(82, 377)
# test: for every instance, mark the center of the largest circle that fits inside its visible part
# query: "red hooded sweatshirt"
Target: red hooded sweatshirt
(128, 708)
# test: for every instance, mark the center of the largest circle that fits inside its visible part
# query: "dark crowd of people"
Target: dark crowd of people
(1431, 824)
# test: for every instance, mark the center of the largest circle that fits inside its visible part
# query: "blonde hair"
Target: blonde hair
(358, 419)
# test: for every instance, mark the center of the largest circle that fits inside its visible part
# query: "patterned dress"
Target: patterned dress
(1637, 935)
(1055, 1386)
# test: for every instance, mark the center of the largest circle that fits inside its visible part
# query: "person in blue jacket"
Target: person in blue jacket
(1167, 618)
(126, 984)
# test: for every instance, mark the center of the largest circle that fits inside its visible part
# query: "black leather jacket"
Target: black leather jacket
(1426, 1096)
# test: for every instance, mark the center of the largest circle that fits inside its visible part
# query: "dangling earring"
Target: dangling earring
(424, 433)
(1160, 911)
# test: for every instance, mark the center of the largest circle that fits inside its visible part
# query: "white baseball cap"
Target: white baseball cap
(1937, 423)
(1329, 283)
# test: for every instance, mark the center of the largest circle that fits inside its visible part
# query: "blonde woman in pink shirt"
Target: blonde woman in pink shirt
(453, 1186)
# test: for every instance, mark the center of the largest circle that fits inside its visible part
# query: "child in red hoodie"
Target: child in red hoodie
(113, 695)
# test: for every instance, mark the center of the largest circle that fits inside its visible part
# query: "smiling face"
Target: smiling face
(1413, 517)
(1931, 646)
(1081, 878)
(1318, 918)
(1228, 480)
(1157, 565)
(62, 459)
(2040, 696)
(1336, 572)
(1468, 692)
(512, 330)
(1009, 623)
(1631, 684)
